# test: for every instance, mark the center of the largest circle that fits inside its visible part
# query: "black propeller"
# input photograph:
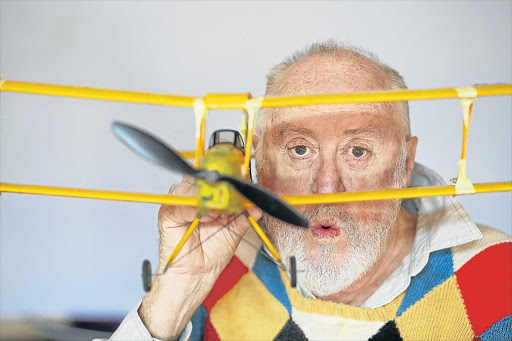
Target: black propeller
(152, 149)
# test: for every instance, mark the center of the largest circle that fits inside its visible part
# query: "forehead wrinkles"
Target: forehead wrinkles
(275, 116)
(324, 74)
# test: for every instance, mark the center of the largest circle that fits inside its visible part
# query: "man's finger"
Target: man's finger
(170, 215)
(189, 180)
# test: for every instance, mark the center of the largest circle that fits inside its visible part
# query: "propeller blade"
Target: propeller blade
(151, 148)
(267, 201)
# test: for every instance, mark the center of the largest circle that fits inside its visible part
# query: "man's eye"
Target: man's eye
(300, 151)
(357, 151)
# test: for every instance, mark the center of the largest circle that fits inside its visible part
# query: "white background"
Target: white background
(77, 256)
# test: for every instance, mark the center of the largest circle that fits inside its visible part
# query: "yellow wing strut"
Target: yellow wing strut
(263, 237)
(182, 242)
(234, 101)
(386, 194)
(468, 95)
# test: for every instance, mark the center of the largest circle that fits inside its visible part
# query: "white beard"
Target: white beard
(326, 273)
(323, 274)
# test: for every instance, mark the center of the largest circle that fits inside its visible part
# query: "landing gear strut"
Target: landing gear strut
(146, 275)
(293, 271)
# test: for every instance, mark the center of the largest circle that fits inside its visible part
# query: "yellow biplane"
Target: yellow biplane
(223, 170)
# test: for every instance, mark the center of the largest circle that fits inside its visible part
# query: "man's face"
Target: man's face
(344, 148)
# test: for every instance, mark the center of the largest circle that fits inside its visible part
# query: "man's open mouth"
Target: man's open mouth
(325, 231)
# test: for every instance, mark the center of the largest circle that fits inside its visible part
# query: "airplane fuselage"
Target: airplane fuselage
(220, 197)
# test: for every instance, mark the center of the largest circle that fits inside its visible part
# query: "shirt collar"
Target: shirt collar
(443, 217)
(442, 223)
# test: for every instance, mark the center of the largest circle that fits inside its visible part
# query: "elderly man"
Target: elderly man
(417, 269)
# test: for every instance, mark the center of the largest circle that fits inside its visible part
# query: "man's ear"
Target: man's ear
(412, 143)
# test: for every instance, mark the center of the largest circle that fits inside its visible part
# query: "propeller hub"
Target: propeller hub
(208, 176)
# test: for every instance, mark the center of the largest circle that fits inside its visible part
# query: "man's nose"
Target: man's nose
(328, 178)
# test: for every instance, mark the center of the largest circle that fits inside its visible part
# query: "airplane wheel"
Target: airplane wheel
(146, 275)
(293, 271)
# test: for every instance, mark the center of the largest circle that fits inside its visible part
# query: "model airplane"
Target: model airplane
(220, 188)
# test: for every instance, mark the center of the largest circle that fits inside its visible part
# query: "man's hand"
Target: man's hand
(175, 295)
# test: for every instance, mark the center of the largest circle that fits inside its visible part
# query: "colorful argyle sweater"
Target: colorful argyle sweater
(463, 293)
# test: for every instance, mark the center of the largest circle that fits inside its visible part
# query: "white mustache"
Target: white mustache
(330, 213)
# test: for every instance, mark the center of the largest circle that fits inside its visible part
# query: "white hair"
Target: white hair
(337, 50)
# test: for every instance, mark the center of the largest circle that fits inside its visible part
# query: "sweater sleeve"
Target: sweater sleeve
(132, 328)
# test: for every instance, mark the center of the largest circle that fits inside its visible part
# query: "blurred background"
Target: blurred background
(65, 259)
